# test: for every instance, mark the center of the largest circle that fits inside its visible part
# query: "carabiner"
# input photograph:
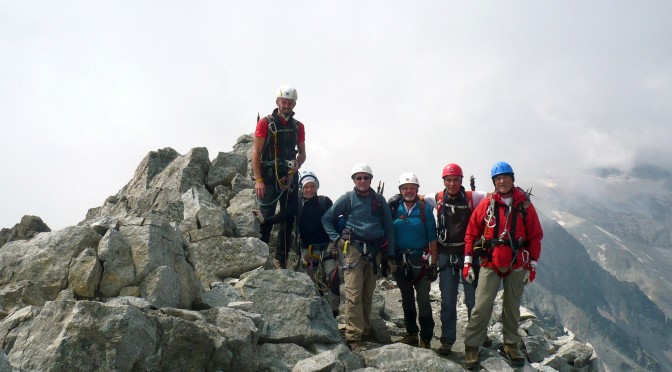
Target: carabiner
(454, 259)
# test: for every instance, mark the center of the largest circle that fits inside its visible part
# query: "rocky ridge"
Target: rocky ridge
(169, 274)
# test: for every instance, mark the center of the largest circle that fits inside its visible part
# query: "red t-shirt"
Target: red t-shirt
(262, 129)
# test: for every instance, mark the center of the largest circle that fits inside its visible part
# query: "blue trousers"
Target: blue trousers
(449, 278)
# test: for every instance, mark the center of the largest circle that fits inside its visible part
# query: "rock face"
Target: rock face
(168, 274)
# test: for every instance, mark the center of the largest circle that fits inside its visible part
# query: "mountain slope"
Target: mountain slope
(605, 264)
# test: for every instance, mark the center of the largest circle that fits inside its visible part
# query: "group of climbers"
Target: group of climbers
(478, 239)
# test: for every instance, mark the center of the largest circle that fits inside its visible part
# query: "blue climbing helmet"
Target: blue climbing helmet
(308, 176)
(501, 167)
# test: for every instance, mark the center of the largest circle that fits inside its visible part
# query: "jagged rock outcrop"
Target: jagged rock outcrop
(168, 274)
(24, 230)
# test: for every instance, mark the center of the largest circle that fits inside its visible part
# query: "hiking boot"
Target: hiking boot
(470, 356)
(425, 344)
(357, 346)
(446, 348)
(510, 352)
(487, 342)
(410, 339)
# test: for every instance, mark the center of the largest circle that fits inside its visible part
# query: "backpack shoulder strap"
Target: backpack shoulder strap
(381, 202)
(348, 205)
(423, 217)
(394, 207)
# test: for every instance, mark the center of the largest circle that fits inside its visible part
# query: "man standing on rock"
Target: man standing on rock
(505, 234)
(366, 231)
(454, 206)
(279, 150)
(416, 252)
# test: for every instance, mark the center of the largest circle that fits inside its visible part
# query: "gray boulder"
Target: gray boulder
(241, 331)
(224, 168)
(155, 243)
(86, 335)
(240, 209)
(114, 251)
(202, 217)
(280, 357)
(402, 357)
(161, 287)
(16, 323)
(576, 353)
(496, 364)
(84, 273)
(218, 258)
(35, 271)
(338, 359)
(538, 348)
(291, 306)
(221, 295)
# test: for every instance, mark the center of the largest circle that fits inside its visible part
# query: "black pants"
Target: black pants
(411, 285)
(285, 218)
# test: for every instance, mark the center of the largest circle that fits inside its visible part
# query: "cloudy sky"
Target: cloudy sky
(87, 89)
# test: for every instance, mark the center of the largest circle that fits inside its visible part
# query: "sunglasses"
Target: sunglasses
(363, 178)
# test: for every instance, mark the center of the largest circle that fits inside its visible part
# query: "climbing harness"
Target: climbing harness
(408, 266)
(485, 247)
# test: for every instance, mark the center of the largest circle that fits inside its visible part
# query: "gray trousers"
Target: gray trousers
(486, 292)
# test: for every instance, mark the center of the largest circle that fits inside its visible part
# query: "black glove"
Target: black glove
(345, 234)
(432, 273)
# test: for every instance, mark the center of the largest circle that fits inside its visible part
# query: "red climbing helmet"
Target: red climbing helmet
(452, 169)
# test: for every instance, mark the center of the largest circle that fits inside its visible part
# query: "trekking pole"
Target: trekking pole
(381, 187)
(472, 182)
(258, 117)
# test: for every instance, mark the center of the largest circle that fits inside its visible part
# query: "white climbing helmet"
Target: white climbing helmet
(308, 176)
(361, 168)
(408, 177)
(287, 91)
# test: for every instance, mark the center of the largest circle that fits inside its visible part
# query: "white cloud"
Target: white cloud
(89, 88)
